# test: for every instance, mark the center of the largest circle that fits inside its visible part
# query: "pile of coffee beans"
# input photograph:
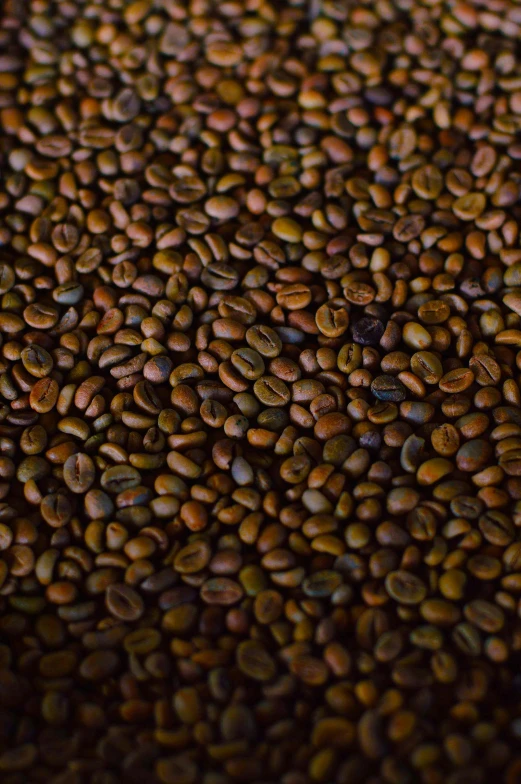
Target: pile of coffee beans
(260, 404)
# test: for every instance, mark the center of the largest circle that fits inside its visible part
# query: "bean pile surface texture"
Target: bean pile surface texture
(260, 407)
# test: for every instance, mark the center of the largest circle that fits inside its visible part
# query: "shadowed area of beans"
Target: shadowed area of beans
(260, 406)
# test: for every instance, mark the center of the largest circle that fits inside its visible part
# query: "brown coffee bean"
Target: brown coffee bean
(271, 391)
(445, 439)
(192, 558)
(37, 361)
(295, 296)
(99, 665)
(221, 591)
(255, 662)
(405, 587)
(79, 472)
(332, 320)
(124, 602)
(264, 340)
(457, 380)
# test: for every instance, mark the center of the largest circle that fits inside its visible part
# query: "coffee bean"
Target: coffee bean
(192, 558)
(368, 331)
(124, 602)
(79, 473)
(221, 591)
(271, 391)
(333, 321)
(255, 662)
(388, 388)
(405, 588)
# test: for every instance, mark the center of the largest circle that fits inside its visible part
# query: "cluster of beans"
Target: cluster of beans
(260, 405)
